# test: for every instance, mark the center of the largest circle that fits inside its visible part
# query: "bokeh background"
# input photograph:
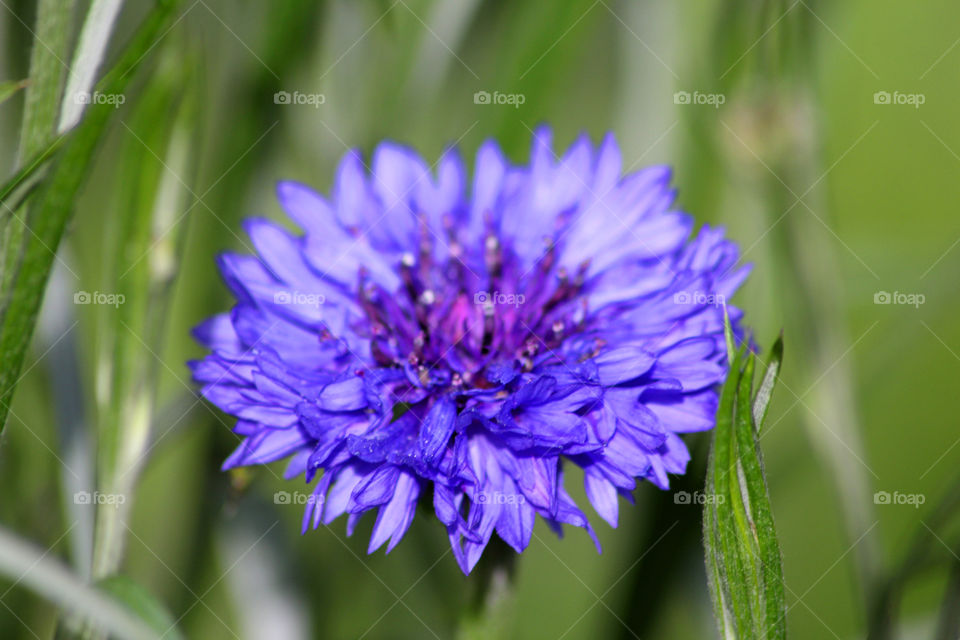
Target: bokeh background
(823, 135)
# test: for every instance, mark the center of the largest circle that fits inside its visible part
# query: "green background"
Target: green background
(832, 196)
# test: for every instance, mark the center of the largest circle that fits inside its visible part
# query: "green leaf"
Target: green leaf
(741, 550)
(141, 602)
(29, 262)
(760, 516)
(728, 336)
(723, 554)
(8, 89)
(761, 401)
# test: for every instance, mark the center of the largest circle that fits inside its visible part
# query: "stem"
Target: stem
(42, 103)
(40, 111)
(490, 612)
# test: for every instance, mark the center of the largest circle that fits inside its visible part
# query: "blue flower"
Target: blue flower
(425, 340)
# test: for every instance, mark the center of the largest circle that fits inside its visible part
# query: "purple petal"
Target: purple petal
(377, 488)
(437, 428)
(395, 517)
(603, 496)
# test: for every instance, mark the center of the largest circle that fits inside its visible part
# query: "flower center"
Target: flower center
(465, 320)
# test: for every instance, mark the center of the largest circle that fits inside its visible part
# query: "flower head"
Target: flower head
(428, 341)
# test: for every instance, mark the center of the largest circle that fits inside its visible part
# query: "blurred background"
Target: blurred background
(823, 136)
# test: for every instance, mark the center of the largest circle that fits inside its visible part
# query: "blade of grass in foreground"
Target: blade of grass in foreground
(50, 209)
(740, 542)
(37, 570)
(42, 102)
(40, 109)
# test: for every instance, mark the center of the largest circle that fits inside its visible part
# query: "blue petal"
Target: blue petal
(603, 496)
(356, 206)
(306, 207)
(515, 524)
(437, 428)
(348, 394)
(444, 505)
(396, 174)
(488, 177)
(339, 497)
(217, 333)
(395, 517)
(682, 413)
(267, 446)
(377, 488)
(622, 364)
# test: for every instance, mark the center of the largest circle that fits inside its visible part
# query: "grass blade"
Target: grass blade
(15, 190)
(94, 38)
(722, 553)
(36, 570)
(40, 109)
(47, 68)
(741, 549)
(30, 261)
(761, 401)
